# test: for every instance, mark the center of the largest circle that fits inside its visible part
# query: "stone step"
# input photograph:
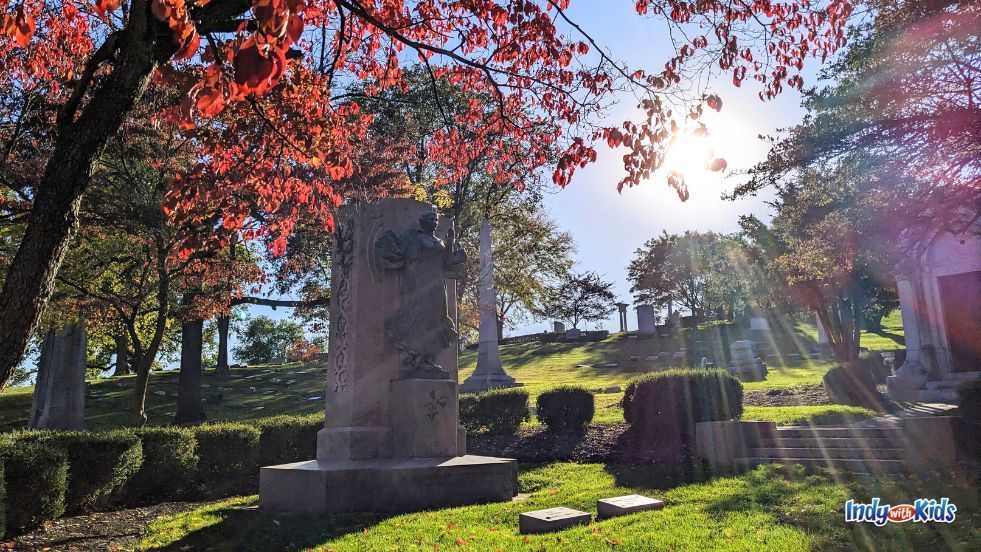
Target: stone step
(945, 396)
(826, 432)
(779, 453)
(839, 464)
(943, 384)
(963, 376)
(833, 442)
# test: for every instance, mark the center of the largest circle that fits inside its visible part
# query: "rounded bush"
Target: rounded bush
(498, 411)
(228, 454)
(169, 464)
(36, 477)
(674, 400)
(853, 385)
(567, 408)
(286, 439)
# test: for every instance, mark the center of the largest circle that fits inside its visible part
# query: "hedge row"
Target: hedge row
(566, 408)
(498, 411)
(46, 473)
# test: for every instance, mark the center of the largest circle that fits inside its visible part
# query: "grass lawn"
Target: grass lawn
(766, 509)
(826, 414)
(260, 391)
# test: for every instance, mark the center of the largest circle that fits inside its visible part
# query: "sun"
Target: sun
(688, 154)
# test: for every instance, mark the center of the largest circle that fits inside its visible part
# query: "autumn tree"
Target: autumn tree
(263, 91)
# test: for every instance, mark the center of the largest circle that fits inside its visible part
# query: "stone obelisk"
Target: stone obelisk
(489, 374)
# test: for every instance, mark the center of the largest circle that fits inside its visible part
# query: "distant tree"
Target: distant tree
(265, 339)
(582, 297)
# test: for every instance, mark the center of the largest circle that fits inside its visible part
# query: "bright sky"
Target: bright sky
(608, 227)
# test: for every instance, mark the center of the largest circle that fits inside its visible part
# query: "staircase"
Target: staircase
(874, 450)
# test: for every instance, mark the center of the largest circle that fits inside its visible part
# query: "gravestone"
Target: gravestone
(489, 374)
(646, 320)
(558, 327)
(759, 324)
(627, 504)
(59, 394)
(743, 362)
(392, 440)
(551, 519)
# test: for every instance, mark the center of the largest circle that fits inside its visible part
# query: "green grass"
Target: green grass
(890, 337)
(766, 509)
(827, 414)
(538, 365)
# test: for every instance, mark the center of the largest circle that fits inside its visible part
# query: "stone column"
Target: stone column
(822, 335)
(59, 393)
(623, 316)
(489, 374)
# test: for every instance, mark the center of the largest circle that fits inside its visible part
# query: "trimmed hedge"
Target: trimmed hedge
(228, 454)
(498, 411)
(566, 408)
(36, 477)
(98, 463)
(169, 464)
(853, 385)
(676, 397)
(286, 439)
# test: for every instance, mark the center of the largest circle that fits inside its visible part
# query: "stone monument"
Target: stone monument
(59, 394)
(558, 327)
(646, 321)
(743, 362)
(392, 440)
(622, 307)
(489, 374)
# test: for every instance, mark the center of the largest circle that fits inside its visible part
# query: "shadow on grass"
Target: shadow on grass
(246, 528)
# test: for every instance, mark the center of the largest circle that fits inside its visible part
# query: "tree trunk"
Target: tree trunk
(143, 365)
(223, 322)
(54, 216)
(122, 356)
(189, 409)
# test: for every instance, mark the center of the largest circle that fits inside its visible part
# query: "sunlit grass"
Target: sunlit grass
(826, 414)
(766, 509)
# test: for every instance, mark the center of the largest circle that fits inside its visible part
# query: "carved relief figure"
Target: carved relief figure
(421, 328)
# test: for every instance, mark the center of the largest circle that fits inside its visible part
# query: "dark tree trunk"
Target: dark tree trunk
(54, 216)
(122, 356)
(189, 409)
(223, 322)
(143, 365)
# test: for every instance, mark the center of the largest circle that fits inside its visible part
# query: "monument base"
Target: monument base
(386, 485)
(476, 383)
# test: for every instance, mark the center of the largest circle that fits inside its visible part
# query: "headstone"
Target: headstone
(613, 389)
(627, 504)
(646, 320)
(489, 374)
(679, 359)
(558, 327)
(743, 362)
(392, 440)
(573, 334)
(759, 323)
(551, 519)
(59, 394)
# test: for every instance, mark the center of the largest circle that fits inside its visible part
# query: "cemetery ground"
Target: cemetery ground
(769, 508)
(789, 395)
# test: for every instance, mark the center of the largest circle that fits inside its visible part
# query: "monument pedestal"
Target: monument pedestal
(386, 485)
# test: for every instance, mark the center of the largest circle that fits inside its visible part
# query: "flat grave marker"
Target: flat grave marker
(551, 519)
(627, 504)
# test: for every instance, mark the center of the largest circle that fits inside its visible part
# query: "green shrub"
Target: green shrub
(286, 439)
(3, 496)
(853, 385)
(228, 454)
(36, 477)
(169, 464)
(566, 408)
(668, 404)
(498, 411)
(98, 463)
